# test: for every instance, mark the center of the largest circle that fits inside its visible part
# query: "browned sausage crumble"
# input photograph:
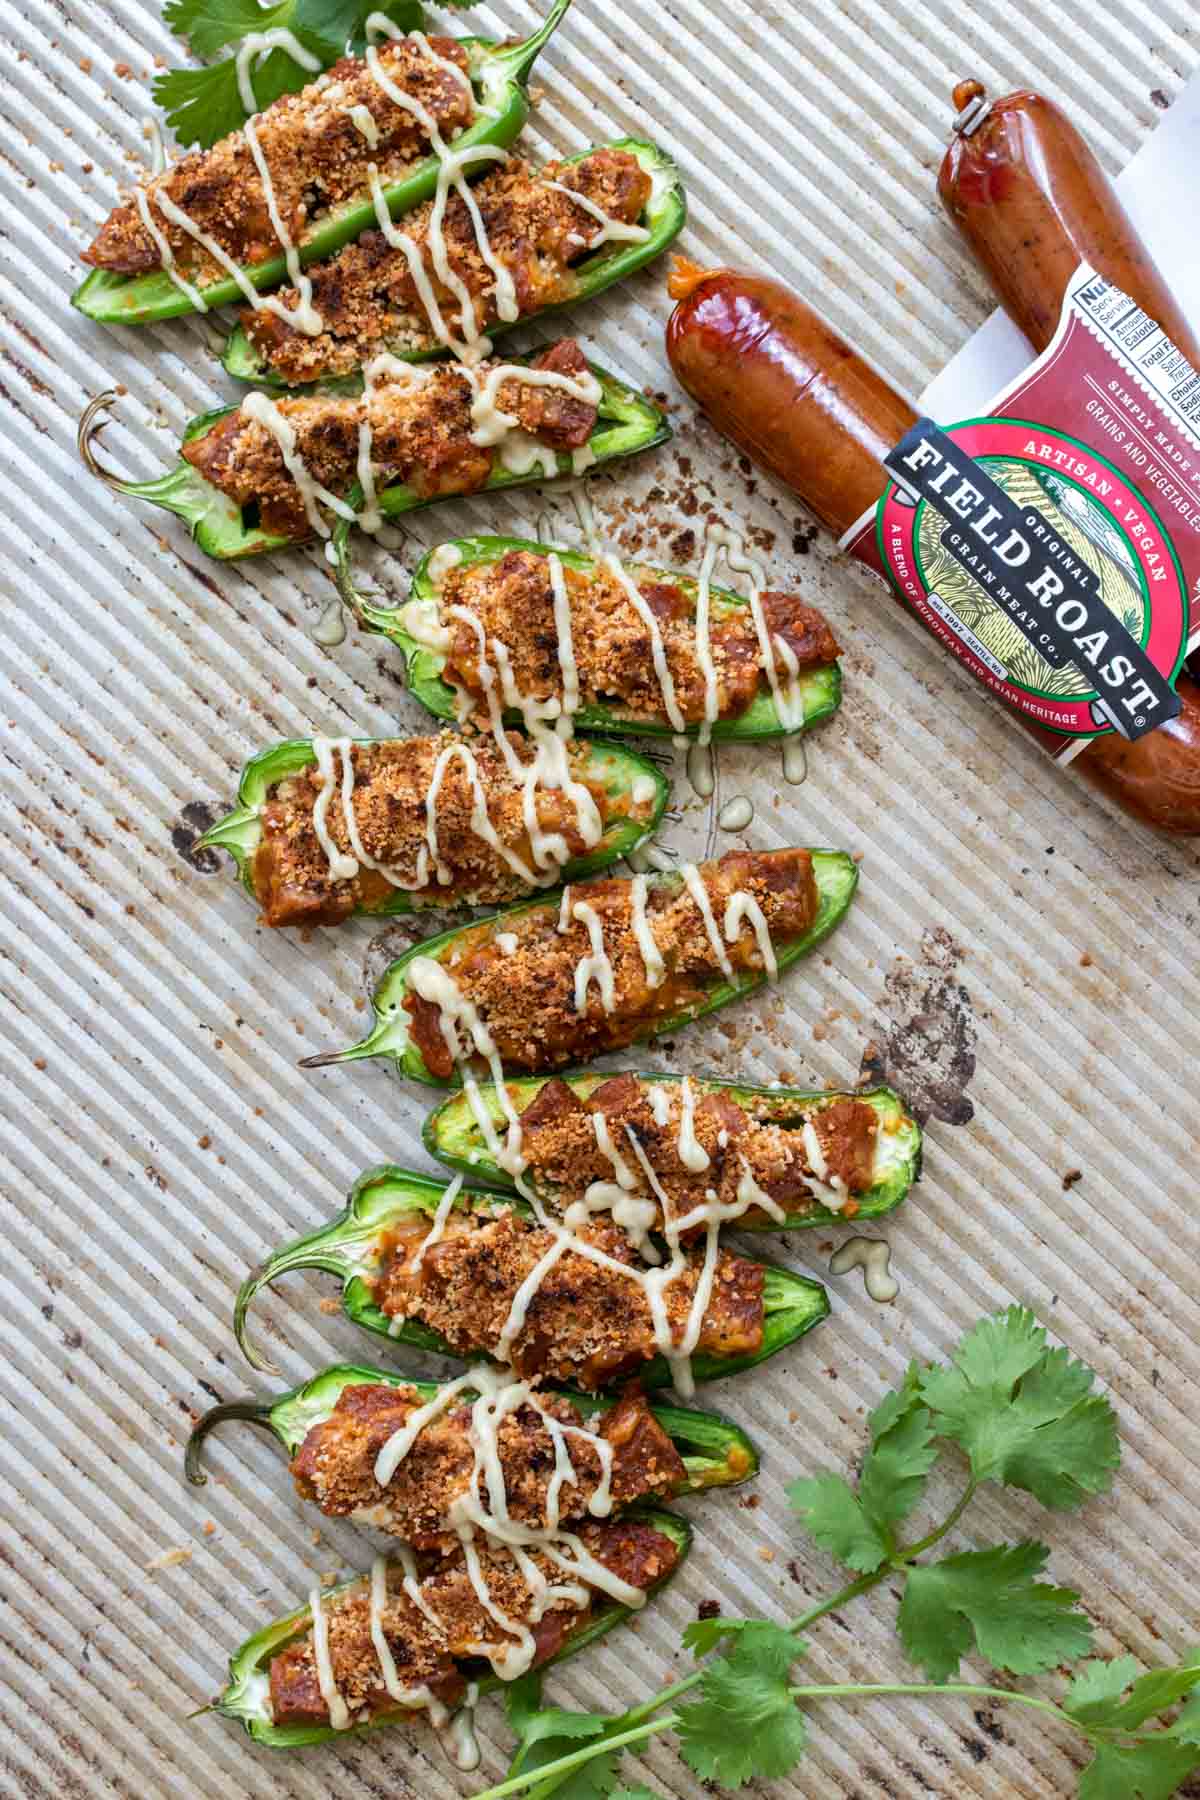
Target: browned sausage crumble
(585, 1324)
(430, 1655)
(513, 600)
(525, 993)
(335, 1465)
(316, 155)
(420, 435)
(392, 779)
(366, 294)
(558, 1142)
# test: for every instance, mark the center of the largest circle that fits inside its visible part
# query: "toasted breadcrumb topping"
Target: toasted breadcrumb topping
(513, 600)
(430, 1655)
(335, 1465)
(316, 155)
(525, 995)
(560, 1146)
(291, 871)
(420, 435)
(585, 1324)
(366, 294)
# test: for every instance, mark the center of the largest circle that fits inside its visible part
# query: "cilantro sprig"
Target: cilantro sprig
(1018, 1413)
(204, 104)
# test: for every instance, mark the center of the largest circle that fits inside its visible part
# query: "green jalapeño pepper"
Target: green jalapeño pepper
(663, 220)
(247, 1697)
(452, 1134)
(499, 75)
(630, 793)
(818, 691)
(835, 875)
(715, 1452)
(626, 424)
(387, 1200)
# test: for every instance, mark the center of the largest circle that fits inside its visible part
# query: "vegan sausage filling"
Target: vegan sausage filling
(369, 297)
(618, 652)
(420, 426)
(447, 818)
(318, 156)
(586, 1318)
(617, 956)
(643, 1132)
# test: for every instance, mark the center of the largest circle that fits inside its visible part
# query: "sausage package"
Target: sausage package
(1053, 544)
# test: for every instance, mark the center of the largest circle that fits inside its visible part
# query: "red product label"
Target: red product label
(1097, 447)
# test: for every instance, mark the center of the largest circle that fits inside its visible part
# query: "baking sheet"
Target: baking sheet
(1023, 957)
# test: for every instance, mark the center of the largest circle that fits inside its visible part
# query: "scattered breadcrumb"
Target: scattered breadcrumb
(169, 1559)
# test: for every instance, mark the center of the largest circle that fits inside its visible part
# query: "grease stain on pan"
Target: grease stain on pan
(925, 1035)
(194, 820)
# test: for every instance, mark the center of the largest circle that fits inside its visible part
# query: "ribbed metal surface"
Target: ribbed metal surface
(160, 1137)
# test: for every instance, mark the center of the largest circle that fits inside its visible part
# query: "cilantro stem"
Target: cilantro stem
(851, 1591)
(911, 1551)
(867, 1691)
(577, 1758)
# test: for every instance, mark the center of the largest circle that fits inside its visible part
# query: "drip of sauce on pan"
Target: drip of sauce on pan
(873, 1256)
(736, 814)
(330, 629)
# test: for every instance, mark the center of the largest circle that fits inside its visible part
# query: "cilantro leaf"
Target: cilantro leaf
(1148, 1771)
(745, 1722)
(832, 1513)
(522, 1699)
(703, 1635)
(857, 1527)
(989, 1600)
(1097, 1687)
(1187, 1726)
(898, 1463)
(203, 105)
(1024, 1413)
(1147, 1695)
(594, 1780)
(548, 1732)
(208, 25)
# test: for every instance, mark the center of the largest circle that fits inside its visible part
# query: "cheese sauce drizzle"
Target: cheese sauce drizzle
(255, 46)
(339, 1712)
(445, 1207)
(789, 700)
(695, 886)
(499, 1393)
(595, 966)
(658, 652)
(614, 230)
(744, 907)
(413, 1698)
(652, 958)
(261, 408)
(831, 1189)
(550, 766)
